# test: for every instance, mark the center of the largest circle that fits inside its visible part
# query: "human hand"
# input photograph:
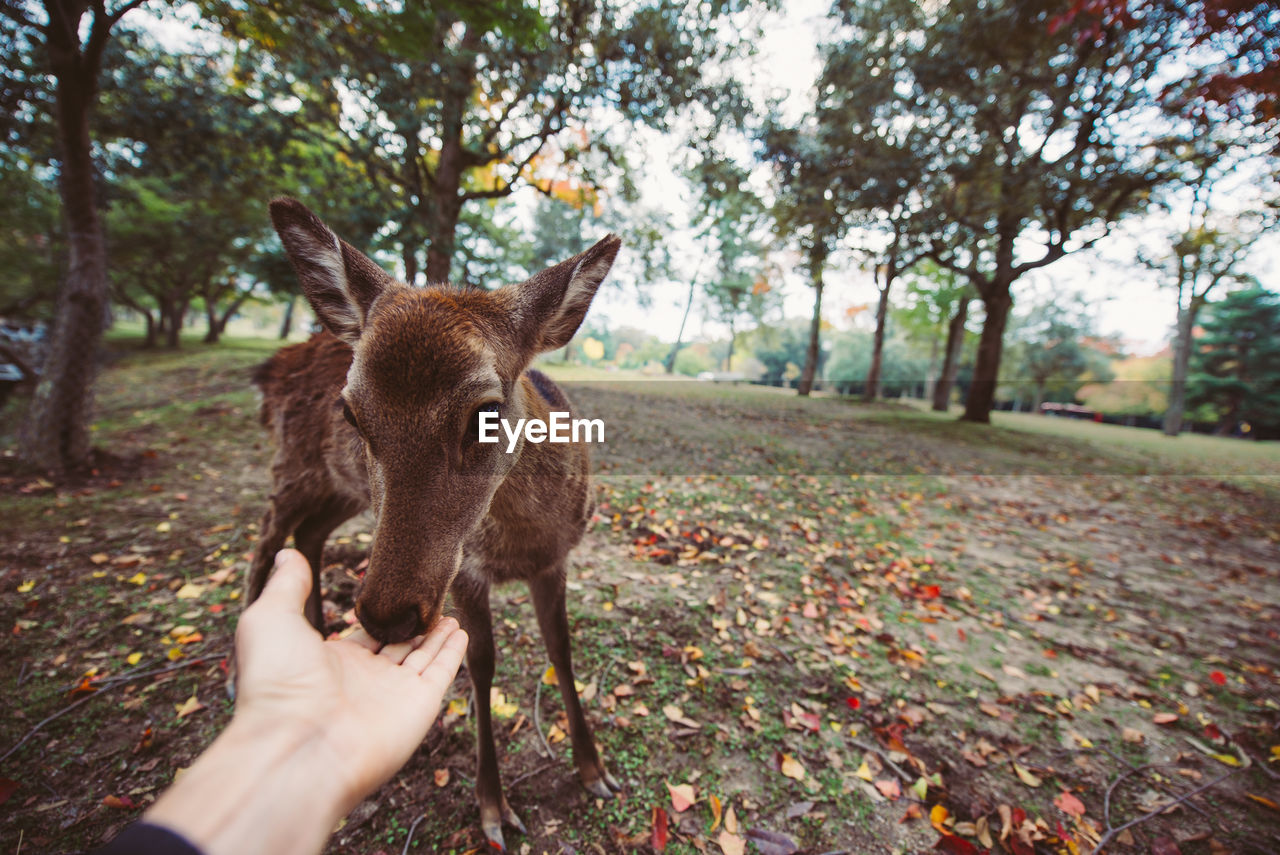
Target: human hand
(365, 706)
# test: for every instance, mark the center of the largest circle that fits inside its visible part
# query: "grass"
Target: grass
(802, 578)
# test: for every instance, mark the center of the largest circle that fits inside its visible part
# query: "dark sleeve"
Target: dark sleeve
(141, 838)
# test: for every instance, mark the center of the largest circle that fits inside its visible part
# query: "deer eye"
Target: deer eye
(349, 416)
(491, 407)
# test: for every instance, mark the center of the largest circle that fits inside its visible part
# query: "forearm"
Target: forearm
(256, 789)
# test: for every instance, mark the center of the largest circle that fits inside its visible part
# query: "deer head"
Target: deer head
(426, 363)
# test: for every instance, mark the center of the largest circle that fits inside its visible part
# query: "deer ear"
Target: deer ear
(339, 281)
(550, 305)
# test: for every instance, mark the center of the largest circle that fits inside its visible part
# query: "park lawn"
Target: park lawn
(841, 621)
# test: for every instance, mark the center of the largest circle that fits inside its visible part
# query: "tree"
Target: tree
(935, 309)
(1033, 153)
(71, 41)
(1235, 365)
(807, 215)
(447, 104)
(1211, 253)
(1053, 350)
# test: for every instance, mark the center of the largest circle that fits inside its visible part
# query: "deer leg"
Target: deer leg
(549, 602)
(309, 537)
(472, 599)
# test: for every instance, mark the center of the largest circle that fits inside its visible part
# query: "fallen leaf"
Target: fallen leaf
(99, 558)
(442, 777)
(119, 802)
(138, 578)
(1070, 805)
(864, 772)
(938, 817)
(1262, 800)
(798, 809)
(730, 843)
(791, 767)
(1129, 734)
(955, 845)
(555, 734)
(1026, 776)
(1164, 718)
(889, 788)
(713, 802)
(674, 714)
(920, 788)
(133, 658)
(499, 705)
(772, 843)
(1164, 846)
(1218, 678)
(7, 788)
(549, 676)
(658, 834)
(190, 591)
(682, 797)
(731, 820)
(191, 705)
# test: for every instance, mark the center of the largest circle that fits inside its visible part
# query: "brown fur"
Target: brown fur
(452, 515)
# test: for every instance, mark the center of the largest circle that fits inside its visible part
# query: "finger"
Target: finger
(430, 647)
(397, 652)
(441, 670)
(289, 585)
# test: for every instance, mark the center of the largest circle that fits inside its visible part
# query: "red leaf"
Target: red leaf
(853, 703)
(930, 592)
(955, 845)
(1070, 805)
(659, 836)
(120, 803)
(1218, 677)
(7, 788)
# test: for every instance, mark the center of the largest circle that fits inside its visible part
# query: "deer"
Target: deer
(380, 410)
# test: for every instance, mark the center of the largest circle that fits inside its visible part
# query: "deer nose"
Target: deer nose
(394, 628)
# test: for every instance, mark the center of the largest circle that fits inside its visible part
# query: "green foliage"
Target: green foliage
(902, 372)
(781, 349)
(33, 247)
(1054, 351)
(1139, 388)
(1235, 363)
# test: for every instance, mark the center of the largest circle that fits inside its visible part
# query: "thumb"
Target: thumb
(290, 583)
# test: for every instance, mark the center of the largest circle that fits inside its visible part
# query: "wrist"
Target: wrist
(260, 787)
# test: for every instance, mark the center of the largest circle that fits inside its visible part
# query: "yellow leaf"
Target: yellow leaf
(189, 591)
(26, 586)
(99, 558)
(191, 705)
(174, 654)
(549, 676)
(555, 734)
(1262, 800)
(714, 803)
(457, 706)
(920, 788)
(499, 705)
(137, 578)
(864, 772)
(133, 658)
(938, 817)
(1025, 776)
(164, 527)
(791, 767)
(1226, 758)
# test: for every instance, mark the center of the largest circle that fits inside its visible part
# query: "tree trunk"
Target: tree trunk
(176, 309)
(986, 369)
(286, 325)
(811, 356)
(675, 348)
(411, 264)
(1038, 398)
(931, 375)
(872, 391)
(951, 356)
(151, 330)
(211, 318)
(728, 360)
(568, 352)
(446, 195)
(239, 301)
(56, 433)
(1173, 416)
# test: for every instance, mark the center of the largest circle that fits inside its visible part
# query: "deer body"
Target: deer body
(381, 412)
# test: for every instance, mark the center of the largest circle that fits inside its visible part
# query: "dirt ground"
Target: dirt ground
(844, 628)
